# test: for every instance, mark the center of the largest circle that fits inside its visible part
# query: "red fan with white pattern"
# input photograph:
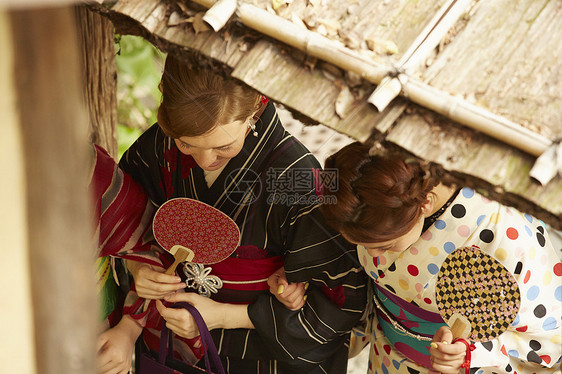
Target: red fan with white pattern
(194, 231)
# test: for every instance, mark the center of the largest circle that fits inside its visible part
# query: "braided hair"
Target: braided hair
(379, 198)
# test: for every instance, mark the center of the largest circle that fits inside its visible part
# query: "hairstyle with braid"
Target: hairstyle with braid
(195, 100)
(379, 198)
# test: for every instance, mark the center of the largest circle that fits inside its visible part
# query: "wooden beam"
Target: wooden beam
(54, 128)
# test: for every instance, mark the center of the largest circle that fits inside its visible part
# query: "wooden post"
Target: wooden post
(99, 76)
(54, 128)
(17, 354)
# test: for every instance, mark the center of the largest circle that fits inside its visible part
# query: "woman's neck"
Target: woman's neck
(442, 194)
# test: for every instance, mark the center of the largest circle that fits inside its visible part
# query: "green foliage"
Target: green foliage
(139, 66)
(125, 137)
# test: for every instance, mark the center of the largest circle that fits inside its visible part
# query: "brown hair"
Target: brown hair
(195, 100)
(379, 198)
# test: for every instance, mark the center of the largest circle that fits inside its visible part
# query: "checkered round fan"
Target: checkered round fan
(476, 288)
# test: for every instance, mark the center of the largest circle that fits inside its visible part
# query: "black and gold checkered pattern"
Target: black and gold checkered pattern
(476, 286)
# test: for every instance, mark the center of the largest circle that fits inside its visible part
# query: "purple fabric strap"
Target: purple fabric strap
(211, 354)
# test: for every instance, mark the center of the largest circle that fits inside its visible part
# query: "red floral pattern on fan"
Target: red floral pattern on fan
(207, 231)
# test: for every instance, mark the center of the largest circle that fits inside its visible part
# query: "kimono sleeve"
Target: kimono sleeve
(336, 296)
(124, 216)
(122, 209)
(513, 350)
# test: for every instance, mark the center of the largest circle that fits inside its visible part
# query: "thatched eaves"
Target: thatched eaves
(501, 56)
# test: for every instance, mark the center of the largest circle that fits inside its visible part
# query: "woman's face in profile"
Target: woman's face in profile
(215, 148)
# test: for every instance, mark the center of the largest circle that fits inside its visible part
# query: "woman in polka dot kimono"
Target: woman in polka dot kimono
(406, 224)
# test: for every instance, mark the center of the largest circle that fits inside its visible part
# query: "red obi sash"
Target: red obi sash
(244, 279)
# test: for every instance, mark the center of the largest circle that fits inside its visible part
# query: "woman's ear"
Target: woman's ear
(429, 203)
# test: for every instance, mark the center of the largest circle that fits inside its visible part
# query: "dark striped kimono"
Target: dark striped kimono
(269, 190)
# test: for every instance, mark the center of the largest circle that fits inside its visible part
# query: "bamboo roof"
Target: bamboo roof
(501, 56)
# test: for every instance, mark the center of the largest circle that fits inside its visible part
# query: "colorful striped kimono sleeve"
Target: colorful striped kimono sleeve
(122, 218)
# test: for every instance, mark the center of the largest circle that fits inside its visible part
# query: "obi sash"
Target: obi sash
(407, 327)
(244, 279)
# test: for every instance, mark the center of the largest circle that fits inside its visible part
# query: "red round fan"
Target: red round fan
(195, 231)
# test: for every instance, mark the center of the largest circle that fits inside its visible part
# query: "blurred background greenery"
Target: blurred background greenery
(139, 66)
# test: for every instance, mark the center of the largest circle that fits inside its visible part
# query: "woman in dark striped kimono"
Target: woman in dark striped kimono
(223, 144)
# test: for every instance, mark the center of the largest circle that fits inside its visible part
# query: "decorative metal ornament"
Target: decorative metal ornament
(252, 126)
(198, 278)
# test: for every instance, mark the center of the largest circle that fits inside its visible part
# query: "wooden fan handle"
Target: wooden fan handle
(172, 269)
(180, 254)
(460, 328)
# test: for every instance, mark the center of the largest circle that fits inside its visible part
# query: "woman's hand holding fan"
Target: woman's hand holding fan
(150, 281)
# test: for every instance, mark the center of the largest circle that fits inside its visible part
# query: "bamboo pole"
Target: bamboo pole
(549, 164)
(307, 41)
(475, 117)
(441, 102)
(419, 50)
(433, 33)
(311, 43)
(220, 13)
(388, 90)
